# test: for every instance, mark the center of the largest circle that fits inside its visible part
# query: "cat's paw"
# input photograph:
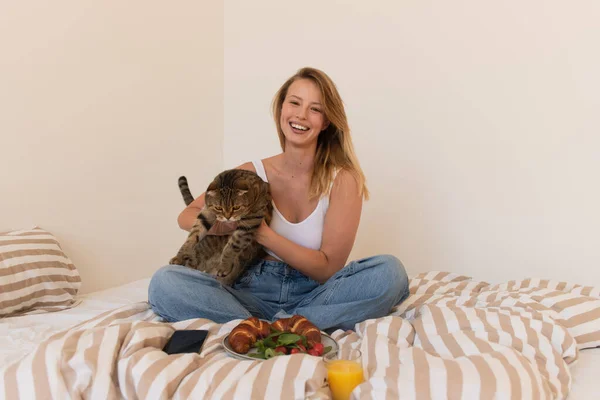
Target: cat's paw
(179, 260)
(222, 274)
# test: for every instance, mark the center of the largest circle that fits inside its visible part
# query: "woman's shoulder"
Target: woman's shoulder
(266, 163)
(248, 166)
(262, 168)
(345, 182)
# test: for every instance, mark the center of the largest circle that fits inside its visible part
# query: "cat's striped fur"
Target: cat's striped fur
(185, 190)
(234, 195)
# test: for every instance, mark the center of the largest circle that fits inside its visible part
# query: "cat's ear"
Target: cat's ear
(211, 190)
(242, 188)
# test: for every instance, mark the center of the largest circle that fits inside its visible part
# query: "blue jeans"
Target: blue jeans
(270, 290)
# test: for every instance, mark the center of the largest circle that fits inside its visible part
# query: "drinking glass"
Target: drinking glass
(344, 372)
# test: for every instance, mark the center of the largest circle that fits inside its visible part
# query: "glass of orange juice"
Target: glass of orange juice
(344, 372)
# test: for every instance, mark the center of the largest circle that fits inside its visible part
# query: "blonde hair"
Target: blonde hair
(334, 145)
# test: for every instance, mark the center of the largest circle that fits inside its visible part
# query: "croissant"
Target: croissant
(301, 326)
(243, 336)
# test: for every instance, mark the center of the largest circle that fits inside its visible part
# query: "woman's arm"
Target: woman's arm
(341, 224)
(188, 216)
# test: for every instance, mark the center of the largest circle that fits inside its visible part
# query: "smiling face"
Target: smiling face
(302, 114)
(309, 114)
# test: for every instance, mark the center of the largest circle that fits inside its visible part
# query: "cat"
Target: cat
(234, 195)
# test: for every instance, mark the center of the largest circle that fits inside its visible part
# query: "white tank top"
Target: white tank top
(307, 233)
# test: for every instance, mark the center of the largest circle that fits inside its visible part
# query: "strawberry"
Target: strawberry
(294, 351)
(318, 347)
(301, 347)
(281, 349)
(314, 352)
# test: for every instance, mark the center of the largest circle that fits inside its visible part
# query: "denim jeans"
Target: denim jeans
(363, 289)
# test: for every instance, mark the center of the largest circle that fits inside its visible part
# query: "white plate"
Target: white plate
(326, 340)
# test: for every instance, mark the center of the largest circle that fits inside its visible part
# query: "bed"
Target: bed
(20, 335)
(65, 350)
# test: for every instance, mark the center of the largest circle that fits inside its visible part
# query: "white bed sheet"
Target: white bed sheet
(586, 376)
(20, 335)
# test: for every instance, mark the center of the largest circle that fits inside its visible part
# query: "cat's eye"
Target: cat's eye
(235, 208)
(218, 208)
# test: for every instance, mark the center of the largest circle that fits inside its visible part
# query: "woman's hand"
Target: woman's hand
(263, 232)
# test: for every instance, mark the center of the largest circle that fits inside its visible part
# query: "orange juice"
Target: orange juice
(343, 377)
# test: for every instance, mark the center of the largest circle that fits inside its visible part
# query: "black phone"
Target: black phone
(186, 341)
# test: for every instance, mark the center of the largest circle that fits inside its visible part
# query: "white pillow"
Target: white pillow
(35, 274)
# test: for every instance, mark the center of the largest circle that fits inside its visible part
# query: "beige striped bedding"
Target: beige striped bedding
(35, 274)
(452, 338)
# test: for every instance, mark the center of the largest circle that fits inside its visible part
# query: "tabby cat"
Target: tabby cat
(234, 195)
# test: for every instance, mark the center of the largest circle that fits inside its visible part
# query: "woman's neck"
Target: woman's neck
(297, 162)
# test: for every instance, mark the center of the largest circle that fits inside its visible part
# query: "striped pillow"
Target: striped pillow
(35, 274)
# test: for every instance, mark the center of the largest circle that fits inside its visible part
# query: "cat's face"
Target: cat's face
(228, 204)
(235, 194)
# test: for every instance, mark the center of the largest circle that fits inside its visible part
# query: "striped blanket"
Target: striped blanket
(452, 338)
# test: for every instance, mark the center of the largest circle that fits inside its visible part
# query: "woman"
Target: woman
(318, 188)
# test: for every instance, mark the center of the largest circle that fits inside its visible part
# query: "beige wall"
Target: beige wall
(475, 122)
(102, 106)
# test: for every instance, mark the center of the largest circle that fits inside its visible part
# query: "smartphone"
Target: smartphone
(186, 341)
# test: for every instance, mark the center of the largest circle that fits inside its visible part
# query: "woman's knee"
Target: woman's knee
(392, 276)
(163, 282)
